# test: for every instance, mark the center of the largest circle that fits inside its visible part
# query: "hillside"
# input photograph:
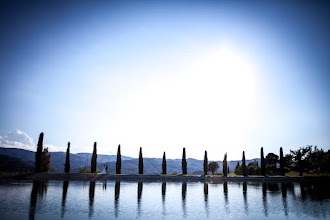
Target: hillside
(12, 164)
(129, 164)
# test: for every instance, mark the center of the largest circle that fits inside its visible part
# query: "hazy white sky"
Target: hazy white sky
(220, 77)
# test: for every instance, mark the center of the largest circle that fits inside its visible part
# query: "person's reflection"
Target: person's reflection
(264, 198)
(246, 208)
(38, 188)
(163, 198)
(117, 191)
(285, 202)
(64, 193)
(206, 193)
(105, 185)
(91, 198)
(225, 192)
(184, 191)
(140, 186)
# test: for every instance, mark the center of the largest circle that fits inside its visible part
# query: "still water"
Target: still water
(167, 200)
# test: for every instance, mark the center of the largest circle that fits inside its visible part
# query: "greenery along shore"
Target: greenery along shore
(307, 160)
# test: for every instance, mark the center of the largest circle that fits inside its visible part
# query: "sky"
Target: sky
(219, 76)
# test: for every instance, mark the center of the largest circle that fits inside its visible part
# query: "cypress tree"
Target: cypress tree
(140, 162)
(118, 162)
(244, 165)
(164, 164)
(45, 161)
(94, 159)
(262, 160)
(67, 160)
(282, 162)
(227, 169)
(184, 162)
(205, 163)
(224, 165)
(37, 167)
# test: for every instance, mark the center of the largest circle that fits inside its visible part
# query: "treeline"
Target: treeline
(304, 160)
(307, 159)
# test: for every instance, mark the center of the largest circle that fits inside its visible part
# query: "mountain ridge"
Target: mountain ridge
(129, 164)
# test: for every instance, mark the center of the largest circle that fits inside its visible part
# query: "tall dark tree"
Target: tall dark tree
(206, 163)
(224, 165)
(39, 153)
(282, 162)
(67, 160)
(262, 160)
(184, 162)
(140, 162)
(118, 162)
(94, 160)
(45, 161)
(164, 168)
(244, 168)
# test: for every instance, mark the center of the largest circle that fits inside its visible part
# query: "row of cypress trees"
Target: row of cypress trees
(39, 163)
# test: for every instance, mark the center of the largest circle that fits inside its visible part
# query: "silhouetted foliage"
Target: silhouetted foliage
(253, 168)
(271, 158)
(164, 167)
(118, 162)
(94, 159)
(228, 170)
(140, 162)
(262, 161)
(39, 153)
(67, 160)
(45, 161)
(244, 169)
(213, 167)
(238, 169)
(205, 163)
(282, 162)
(312, 161)
(184, 162)
(224, 165)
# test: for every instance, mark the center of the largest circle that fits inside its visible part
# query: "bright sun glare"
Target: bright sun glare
(209, 103)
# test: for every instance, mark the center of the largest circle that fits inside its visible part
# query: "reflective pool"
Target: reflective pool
(162, 200)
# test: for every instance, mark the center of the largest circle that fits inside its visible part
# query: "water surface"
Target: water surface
(162, 200)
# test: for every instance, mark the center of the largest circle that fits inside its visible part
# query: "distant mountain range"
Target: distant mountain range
(129, 165)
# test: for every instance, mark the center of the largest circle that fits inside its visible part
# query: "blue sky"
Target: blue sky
(207, 75)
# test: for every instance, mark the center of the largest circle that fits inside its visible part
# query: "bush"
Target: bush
(251, 170)
(84, 170)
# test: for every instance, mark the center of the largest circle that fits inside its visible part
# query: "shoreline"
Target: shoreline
(156, 178)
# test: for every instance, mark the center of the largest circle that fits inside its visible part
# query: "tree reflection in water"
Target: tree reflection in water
(206, 193)
(284, 199)
(117, 191)
(246, 208)
(225, 192)
(184, 191)
(64, 193)
(91, 198)
(140, 186)
(163, 198)
(39, 189)
(264, 198)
